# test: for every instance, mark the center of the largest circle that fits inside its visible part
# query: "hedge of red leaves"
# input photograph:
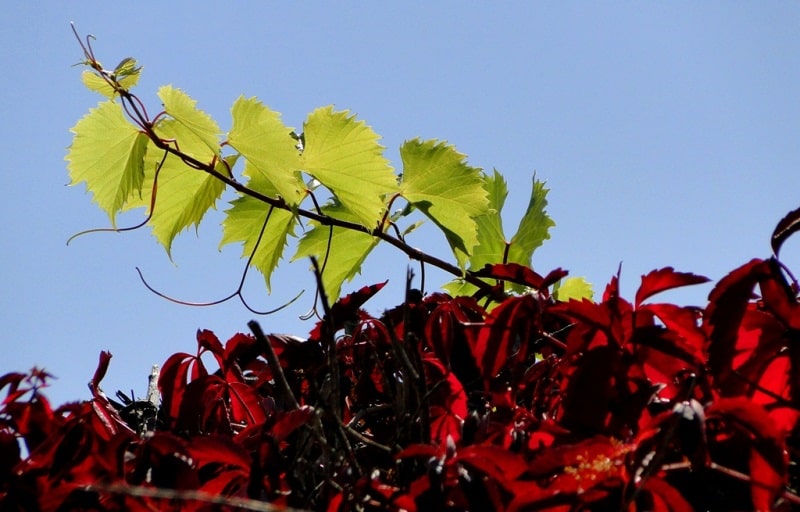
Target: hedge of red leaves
(439, 405)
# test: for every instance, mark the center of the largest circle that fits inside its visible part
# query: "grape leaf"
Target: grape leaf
(243, 223)
(577, 288)
(107, 153)
(184, 194)
(182, 109)
(270, 150)
(344, 155)
(533, 228)
(126, 73)
(491, 246)
(491, 249)
(348, 250)
(437, 181)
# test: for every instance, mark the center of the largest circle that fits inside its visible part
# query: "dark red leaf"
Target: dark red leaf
(520, 274)
(727, 304)
(347, 308)
(288, 422)
(100, 372)
(514, 320)
(778, 295)
(665, 497)
(689, 340)
(424, 451)
(786, 227)
(768, 456)
(665, 279)
(207, 341)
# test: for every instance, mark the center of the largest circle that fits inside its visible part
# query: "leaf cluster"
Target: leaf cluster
(539, 404)
(328, 184)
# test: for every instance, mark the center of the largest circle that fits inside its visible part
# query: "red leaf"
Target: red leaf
(665, 497)
(768, 455)
(208, 341)
(288, 422)
(520, 274)
(665, 279)
(786, 227)
(778, 295)
(346, 309)
(515, 319)
(727, 304)
(690, 340)
(100, 372)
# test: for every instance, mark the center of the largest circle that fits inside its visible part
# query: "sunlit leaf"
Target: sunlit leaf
(577, 288)
(244, 222)
(437, 181)
(348, 250)
(665, 279)
(184, 194)
(107, 153)
(204, 129)
(344, 155)
(126, 74)
(534, 228)
(273, 161)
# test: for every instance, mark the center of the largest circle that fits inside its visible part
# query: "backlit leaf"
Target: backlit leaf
(243, 223)
(534, 228)
(204, 129)
(273, 160)
(184, 194)
(126, 74)
(344, 155)
(665, 279)
(577, 288)
(107, 153)
(438, 181)
(348, 250)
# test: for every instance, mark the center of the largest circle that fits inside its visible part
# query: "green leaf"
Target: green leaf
(267, 145)
(491, 241)
(184, 194)
(348, 250)
(577, 288)
(107, 153)
(182, 109)
(244, 222)
(437, 181)
(126, 74)
(344, 155)
(534, 228)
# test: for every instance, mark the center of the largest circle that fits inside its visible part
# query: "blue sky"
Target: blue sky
(667, 133)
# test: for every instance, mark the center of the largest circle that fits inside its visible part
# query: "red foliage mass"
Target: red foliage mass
(439, 404)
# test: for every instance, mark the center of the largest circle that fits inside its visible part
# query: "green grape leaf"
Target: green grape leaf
(491, 246)
(437, 181)
(270, 150)
(344, 155)
(126, 73)
(348, 250)
(182, 109)
(184, 194)
(534, 228)
(577, 288)
(107, 153)
(127, 70)
(244, 222)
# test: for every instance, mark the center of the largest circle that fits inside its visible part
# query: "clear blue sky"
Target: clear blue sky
(667, 133)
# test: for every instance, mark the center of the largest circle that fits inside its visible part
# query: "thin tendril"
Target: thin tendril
(237, 292)
(154, 193)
